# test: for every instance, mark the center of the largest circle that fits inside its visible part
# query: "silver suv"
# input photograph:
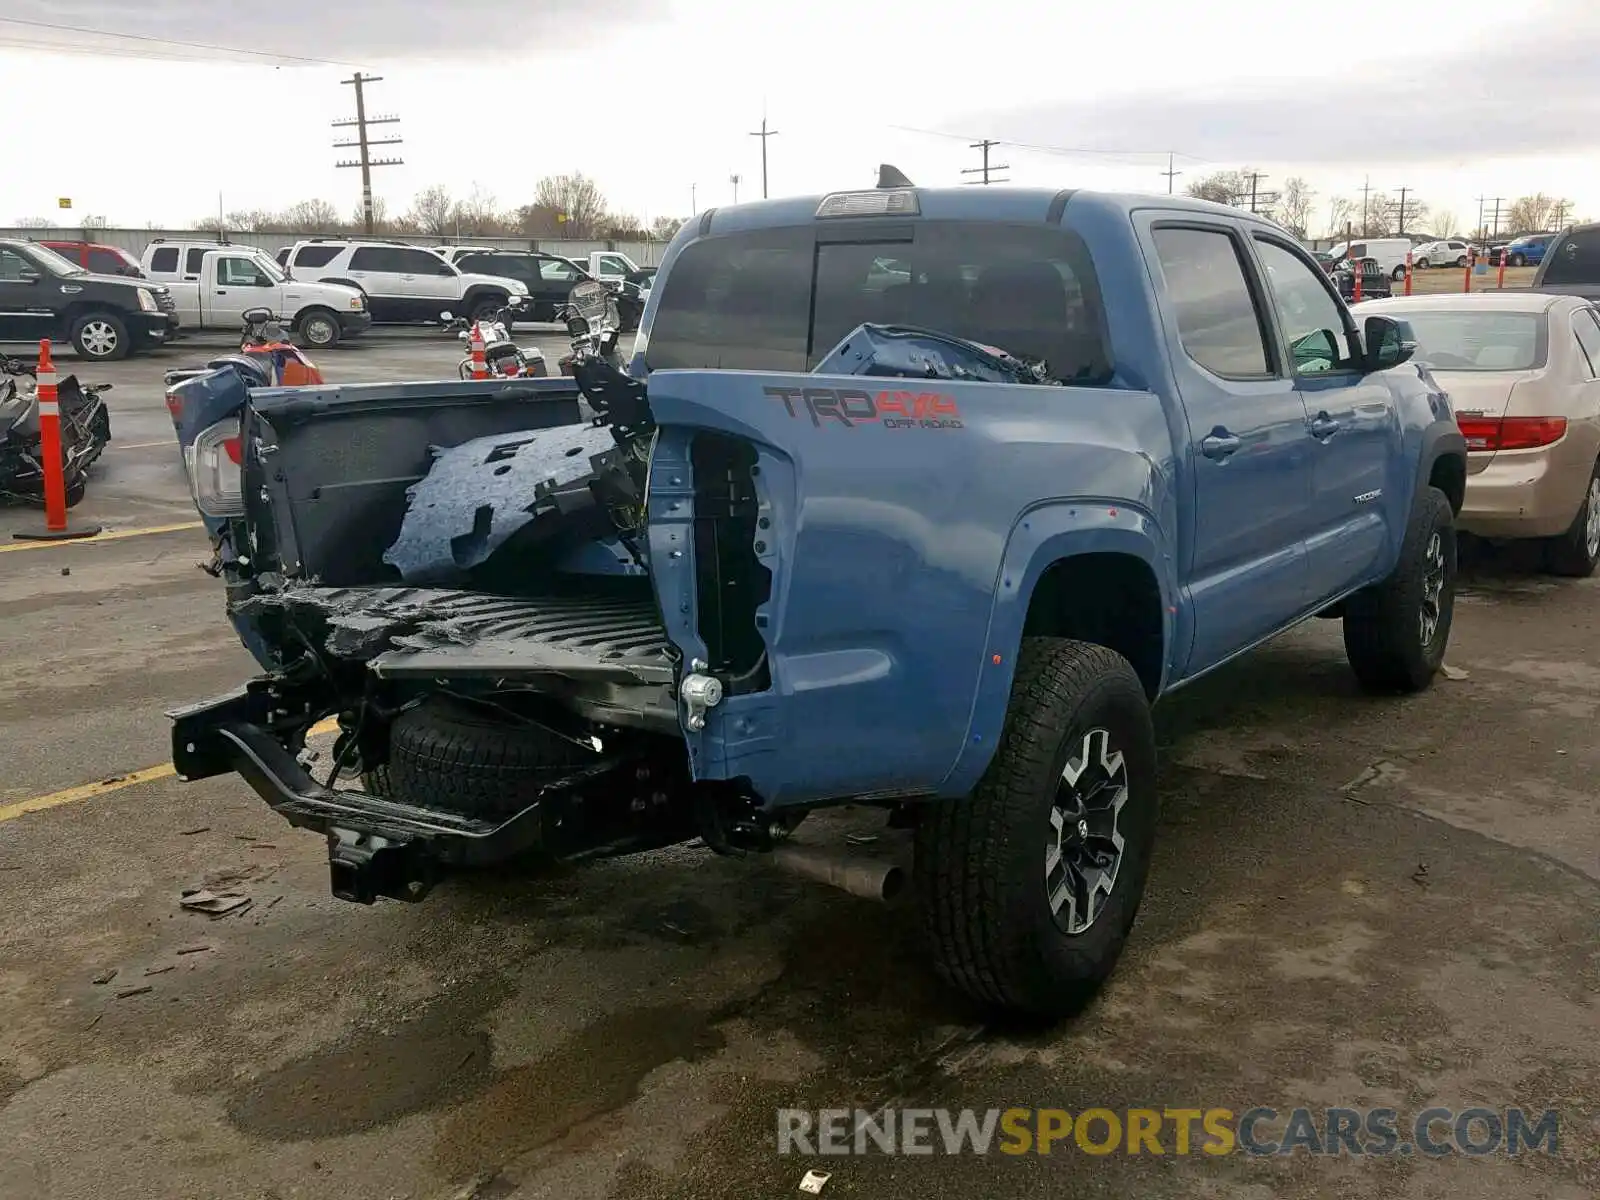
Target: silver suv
(404, 283)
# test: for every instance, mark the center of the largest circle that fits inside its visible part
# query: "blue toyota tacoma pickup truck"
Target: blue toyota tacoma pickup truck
(916, 498)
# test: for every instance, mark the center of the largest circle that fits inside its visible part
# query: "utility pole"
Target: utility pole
(1497, 200)
(1401, 220)
(1366, 187)
(764, 133)
(1170, 173)
(986, 145)
(1481, 229)
(366, 162)
(694, 210)
(734, 179)
(1561, 213)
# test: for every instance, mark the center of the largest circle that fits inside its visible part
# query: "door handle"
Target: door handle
(1323, 426)
(1219, 444)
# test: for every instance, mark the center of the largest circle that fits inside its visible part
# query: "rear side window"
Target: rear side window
(375, 258)
(1218, 322)
(316, 256)
(1576, 259)
(193, 260)
(165, 259)
(1588, 338)
(779, 300)
(507, 266)
(553, 270)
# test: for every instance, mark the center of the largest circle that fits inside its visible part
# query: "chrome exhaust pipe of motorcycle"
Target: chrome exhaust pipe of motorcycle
(868, 878)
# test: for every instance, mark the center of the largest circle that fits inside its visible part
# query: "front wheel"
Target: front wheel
(1518, 260)
(319, 329)
(101, 337)
(1030, 886)
(1576, 552)
(1395, 632)
(1420, 265)
(1399, 273)
(1462, 261)
(487, 310)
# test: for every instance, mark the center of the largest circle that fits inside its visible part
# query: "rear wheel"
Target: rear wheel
(486, 310)
(1576, 552)
(1518, 260)
(1399, 273)
(1420, 265)
(1462, 261)
(1029, 886)
(1395, 632)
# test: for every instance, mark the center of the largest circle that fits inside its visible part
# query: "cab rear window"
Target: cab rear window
(781, 299)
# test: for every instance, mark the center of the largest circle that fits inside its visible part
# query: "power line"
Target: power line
(160, 41)
(366, 162)
(1124, 156)
(986, 145)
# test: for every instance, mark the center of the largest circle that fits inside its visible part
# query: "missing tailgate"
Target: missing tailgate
(731, 582)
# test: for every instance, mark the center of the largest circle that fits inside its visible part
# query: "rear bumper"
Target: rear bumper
(1527, 493)
(376, 847)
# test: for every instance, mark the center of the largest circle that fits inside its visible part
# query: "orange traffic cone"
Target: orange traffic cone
(56, 526)
(480, 363)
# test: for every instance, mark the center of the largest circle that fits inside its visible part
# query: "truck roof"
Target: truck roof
(962, 203)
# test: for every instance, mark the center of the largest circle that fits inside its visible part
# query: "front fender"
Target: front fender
(1043, 537)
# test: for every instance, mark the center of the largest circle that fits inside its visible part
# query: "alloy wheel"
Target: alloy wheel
(1591, 530)
(1432, 588)
(1083, 849)
(99, 339)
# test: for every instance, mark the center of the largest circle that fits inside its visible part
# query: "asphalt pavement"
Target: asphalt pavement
(1355, 903)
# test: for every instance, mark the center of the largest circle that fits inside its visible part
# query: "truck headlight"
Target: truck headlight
(357, 303)
(147, 301)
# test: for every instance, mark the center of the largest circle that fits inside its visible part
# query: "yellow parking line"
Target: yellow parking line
(115, 535)
(89, 791)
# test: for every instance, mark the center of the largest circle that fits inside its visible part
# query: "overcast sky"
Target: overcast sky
(656, 98)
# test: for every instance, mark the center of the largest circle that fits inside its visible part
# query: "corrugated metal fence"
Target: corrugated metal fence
(646, 254)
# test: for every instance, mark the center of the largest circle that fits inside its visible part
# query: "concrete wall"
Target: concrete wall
(646, 254)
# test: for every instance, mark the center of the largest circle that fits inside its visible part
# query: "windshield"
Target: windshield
(53, 262)
(1479, 341)
(269, 268)
(781, 299)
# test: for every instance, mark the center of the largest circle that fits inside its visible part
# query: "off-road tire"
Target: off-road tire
(1383, 623)
(457, 757)
(485, 308)
(980, 861)
(1571, 553)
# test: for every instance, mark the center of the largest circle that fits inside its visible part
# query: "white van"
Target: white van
(1390, 253)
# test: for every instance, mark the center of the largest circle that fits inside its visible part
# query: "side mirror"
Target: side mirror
(1389, 343)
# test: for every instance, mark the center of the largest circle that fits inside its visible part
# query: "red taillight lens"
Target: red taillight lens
(1511, 433)
(231, 446)
(174, 405)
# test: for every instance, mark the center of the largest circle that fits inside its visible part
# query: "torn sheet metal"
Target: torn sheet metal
(478, 494)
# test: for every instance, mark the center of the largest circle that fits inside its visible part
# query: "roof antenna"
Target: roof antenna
(892, 177)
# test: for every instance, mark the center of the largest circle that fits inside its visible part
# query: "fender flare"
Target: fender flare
(480, 291)
(1041, 537)
(1440, 439)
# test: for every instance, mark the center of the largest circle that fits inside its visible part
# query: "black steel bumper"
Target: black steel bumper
(352, 322)
(376, 847)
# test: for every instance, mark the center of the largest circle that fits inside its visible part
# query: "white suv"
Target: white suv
(404, 283)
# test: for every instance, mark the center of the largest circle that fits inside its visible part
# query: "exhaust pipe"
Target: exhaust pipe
(867, 878)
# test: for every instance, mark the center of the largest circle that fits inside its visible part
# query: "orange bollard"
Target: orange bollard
(1408, 270)
(56, 526)
(480, 364)
(1355, 288)
(1500, 279)
(1472, 259)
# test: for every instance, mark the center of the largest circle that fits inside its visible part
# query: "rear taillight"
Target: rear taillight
(174, 405)
(1511, 433)
(216, 478)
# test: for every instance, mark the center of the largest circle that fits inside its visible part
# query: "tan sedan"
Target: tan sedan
(1523, 373)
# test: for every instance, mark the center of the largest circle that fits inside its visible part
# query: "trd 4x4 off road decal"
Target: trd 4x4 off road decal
(852, 407)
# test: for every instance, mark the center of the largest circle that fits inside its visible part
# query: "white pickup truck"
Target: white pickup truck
(214, 287)
(610, 266)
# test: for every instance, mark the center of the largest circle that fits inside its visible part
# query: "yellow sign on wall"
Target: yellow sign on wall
(64, 202)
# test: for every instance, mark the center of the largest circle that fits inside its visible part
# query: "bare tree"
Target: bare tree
(479, 215)
(1221, 187)
(33, 223)
(1341, 212)
(434, 211)
(1445, 224)
(664, 229)
(577, 201)
(1294, 206)
(538, 221)
(310, 216)
(1528, 214)
(380, 216)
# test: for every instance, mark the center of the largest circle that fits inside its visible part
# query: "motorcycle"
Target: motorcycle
(504, 358)
(85, 431)
(590, 315)
(265, 358)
